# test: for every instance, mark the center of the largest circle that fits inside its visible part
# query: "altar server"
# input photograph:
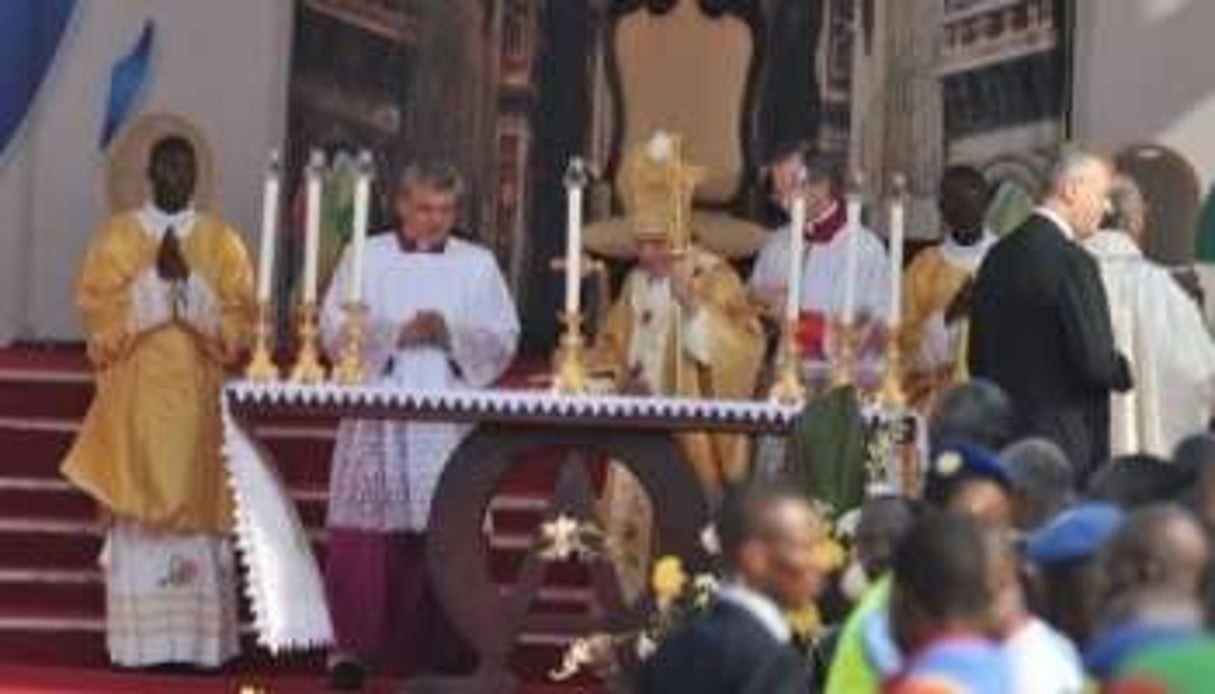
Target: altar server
(440, 316)
(823, 288)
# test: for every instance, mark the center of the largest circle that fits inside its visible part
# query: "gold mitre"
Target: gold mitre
(657, 189)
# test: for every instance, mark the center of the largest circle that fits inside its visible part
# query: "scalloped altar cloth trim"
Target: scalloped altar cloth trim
(516, 402)
(282, 579)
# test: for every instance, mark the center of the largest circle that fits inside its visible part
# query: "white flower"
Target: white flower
(576, 657)
(709, 540)
(561, 538)
(660, 146)
(846, 526)
(646, 646)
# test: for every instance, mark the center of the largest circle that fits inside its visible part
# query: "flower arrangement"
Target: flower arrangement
(678, 597)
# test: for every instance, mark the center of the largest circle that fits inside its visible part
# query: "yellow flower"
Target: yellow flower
(668, 579)
(828, 554)
(804, 621)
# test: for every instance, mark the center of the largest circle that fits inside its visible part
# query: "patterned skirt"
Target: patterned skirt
(170, 598)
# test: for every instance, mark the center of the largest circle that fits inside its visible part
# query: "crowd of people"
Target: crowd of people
(1004, 576)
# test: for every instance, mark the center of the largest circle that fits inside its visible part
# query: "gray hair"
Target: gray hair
(1128, 210)
(435, 175)
(1069, 165)
(1041, 477)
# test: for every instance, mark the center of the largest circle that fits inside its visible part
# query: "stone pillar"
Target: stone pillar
(913, 133)
(447, 114)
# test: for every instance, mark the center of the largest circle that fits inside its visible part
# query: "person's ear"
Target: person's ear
(752, 559)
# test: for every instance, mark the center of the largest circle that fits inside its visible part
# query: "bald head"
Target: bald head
(1078, 190)
(1160, 549)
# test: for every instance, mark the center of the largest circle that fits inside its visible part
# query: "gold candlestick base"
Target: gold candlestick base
(789, 388)
(570, 374)
(308, 369)
(350, 369)
(261, 367)
(843, 367)
(891, 394)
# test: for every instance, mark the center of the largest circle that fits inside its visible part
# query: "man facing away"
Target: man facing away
(1161, 331)
(741, 645)
(440, 317)
(937, 287)
(940, 607)
(167, 298)
(1040, 324)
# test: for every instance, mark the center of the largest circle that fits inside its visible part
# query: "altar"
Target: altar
(284, 583)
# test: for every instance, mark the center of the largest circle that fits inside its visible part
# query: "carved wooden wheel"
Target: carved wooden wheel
(458, 555)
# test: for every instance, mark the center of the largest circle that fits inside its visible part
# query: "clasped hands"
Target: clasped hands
(169, 293)
(425, 329)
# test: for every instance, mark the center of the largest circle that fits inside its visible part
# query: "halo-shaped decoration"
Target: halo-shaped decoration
(127, 180)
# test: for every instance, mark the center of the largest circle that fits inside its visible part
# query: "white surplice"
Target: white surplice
(385, 472)
(823, 272)
(1160, 329)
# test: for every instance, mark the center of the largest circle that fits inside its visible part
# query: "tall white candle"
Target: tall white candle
(897, 233)
(269, 239)
(853, 230)
(358, 235)
(574, 182)
(797, 247)
(312, 223)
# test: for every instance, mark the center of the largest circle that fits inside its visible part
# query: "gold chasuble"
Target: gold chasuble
(720, 355)
(683, 324)
(933, 346)
(149, 449)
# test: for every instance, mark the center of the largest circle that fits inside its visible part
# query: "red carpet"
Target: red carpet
(19, 679)
(51, 597)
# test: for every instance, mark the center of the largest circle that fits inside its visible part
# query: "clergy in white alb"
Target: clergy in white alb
(823, 287)
(440, 317)
(1160, 330)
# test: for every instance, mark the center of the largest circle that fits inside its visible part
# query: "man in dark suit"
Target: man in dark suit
(1040, 321)
(742, 644)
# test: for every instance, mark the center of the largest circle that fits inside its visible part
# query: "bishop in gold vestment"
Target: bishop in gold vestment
(167, 300)
(683, 324)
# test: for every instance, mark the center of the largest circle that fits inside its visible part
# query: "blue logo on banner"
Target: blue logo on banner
(30, 34)
(127, 80)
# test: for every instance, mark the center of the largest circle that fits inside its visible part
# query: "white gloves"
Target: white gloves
(155, 302)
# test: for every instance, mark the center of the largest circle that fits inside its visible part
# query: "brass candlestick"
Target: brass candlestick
(789, 388)
(308, 369)
(261, 367)
(351, 370)
(570, 375)
(843, 367)
(891, 394)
